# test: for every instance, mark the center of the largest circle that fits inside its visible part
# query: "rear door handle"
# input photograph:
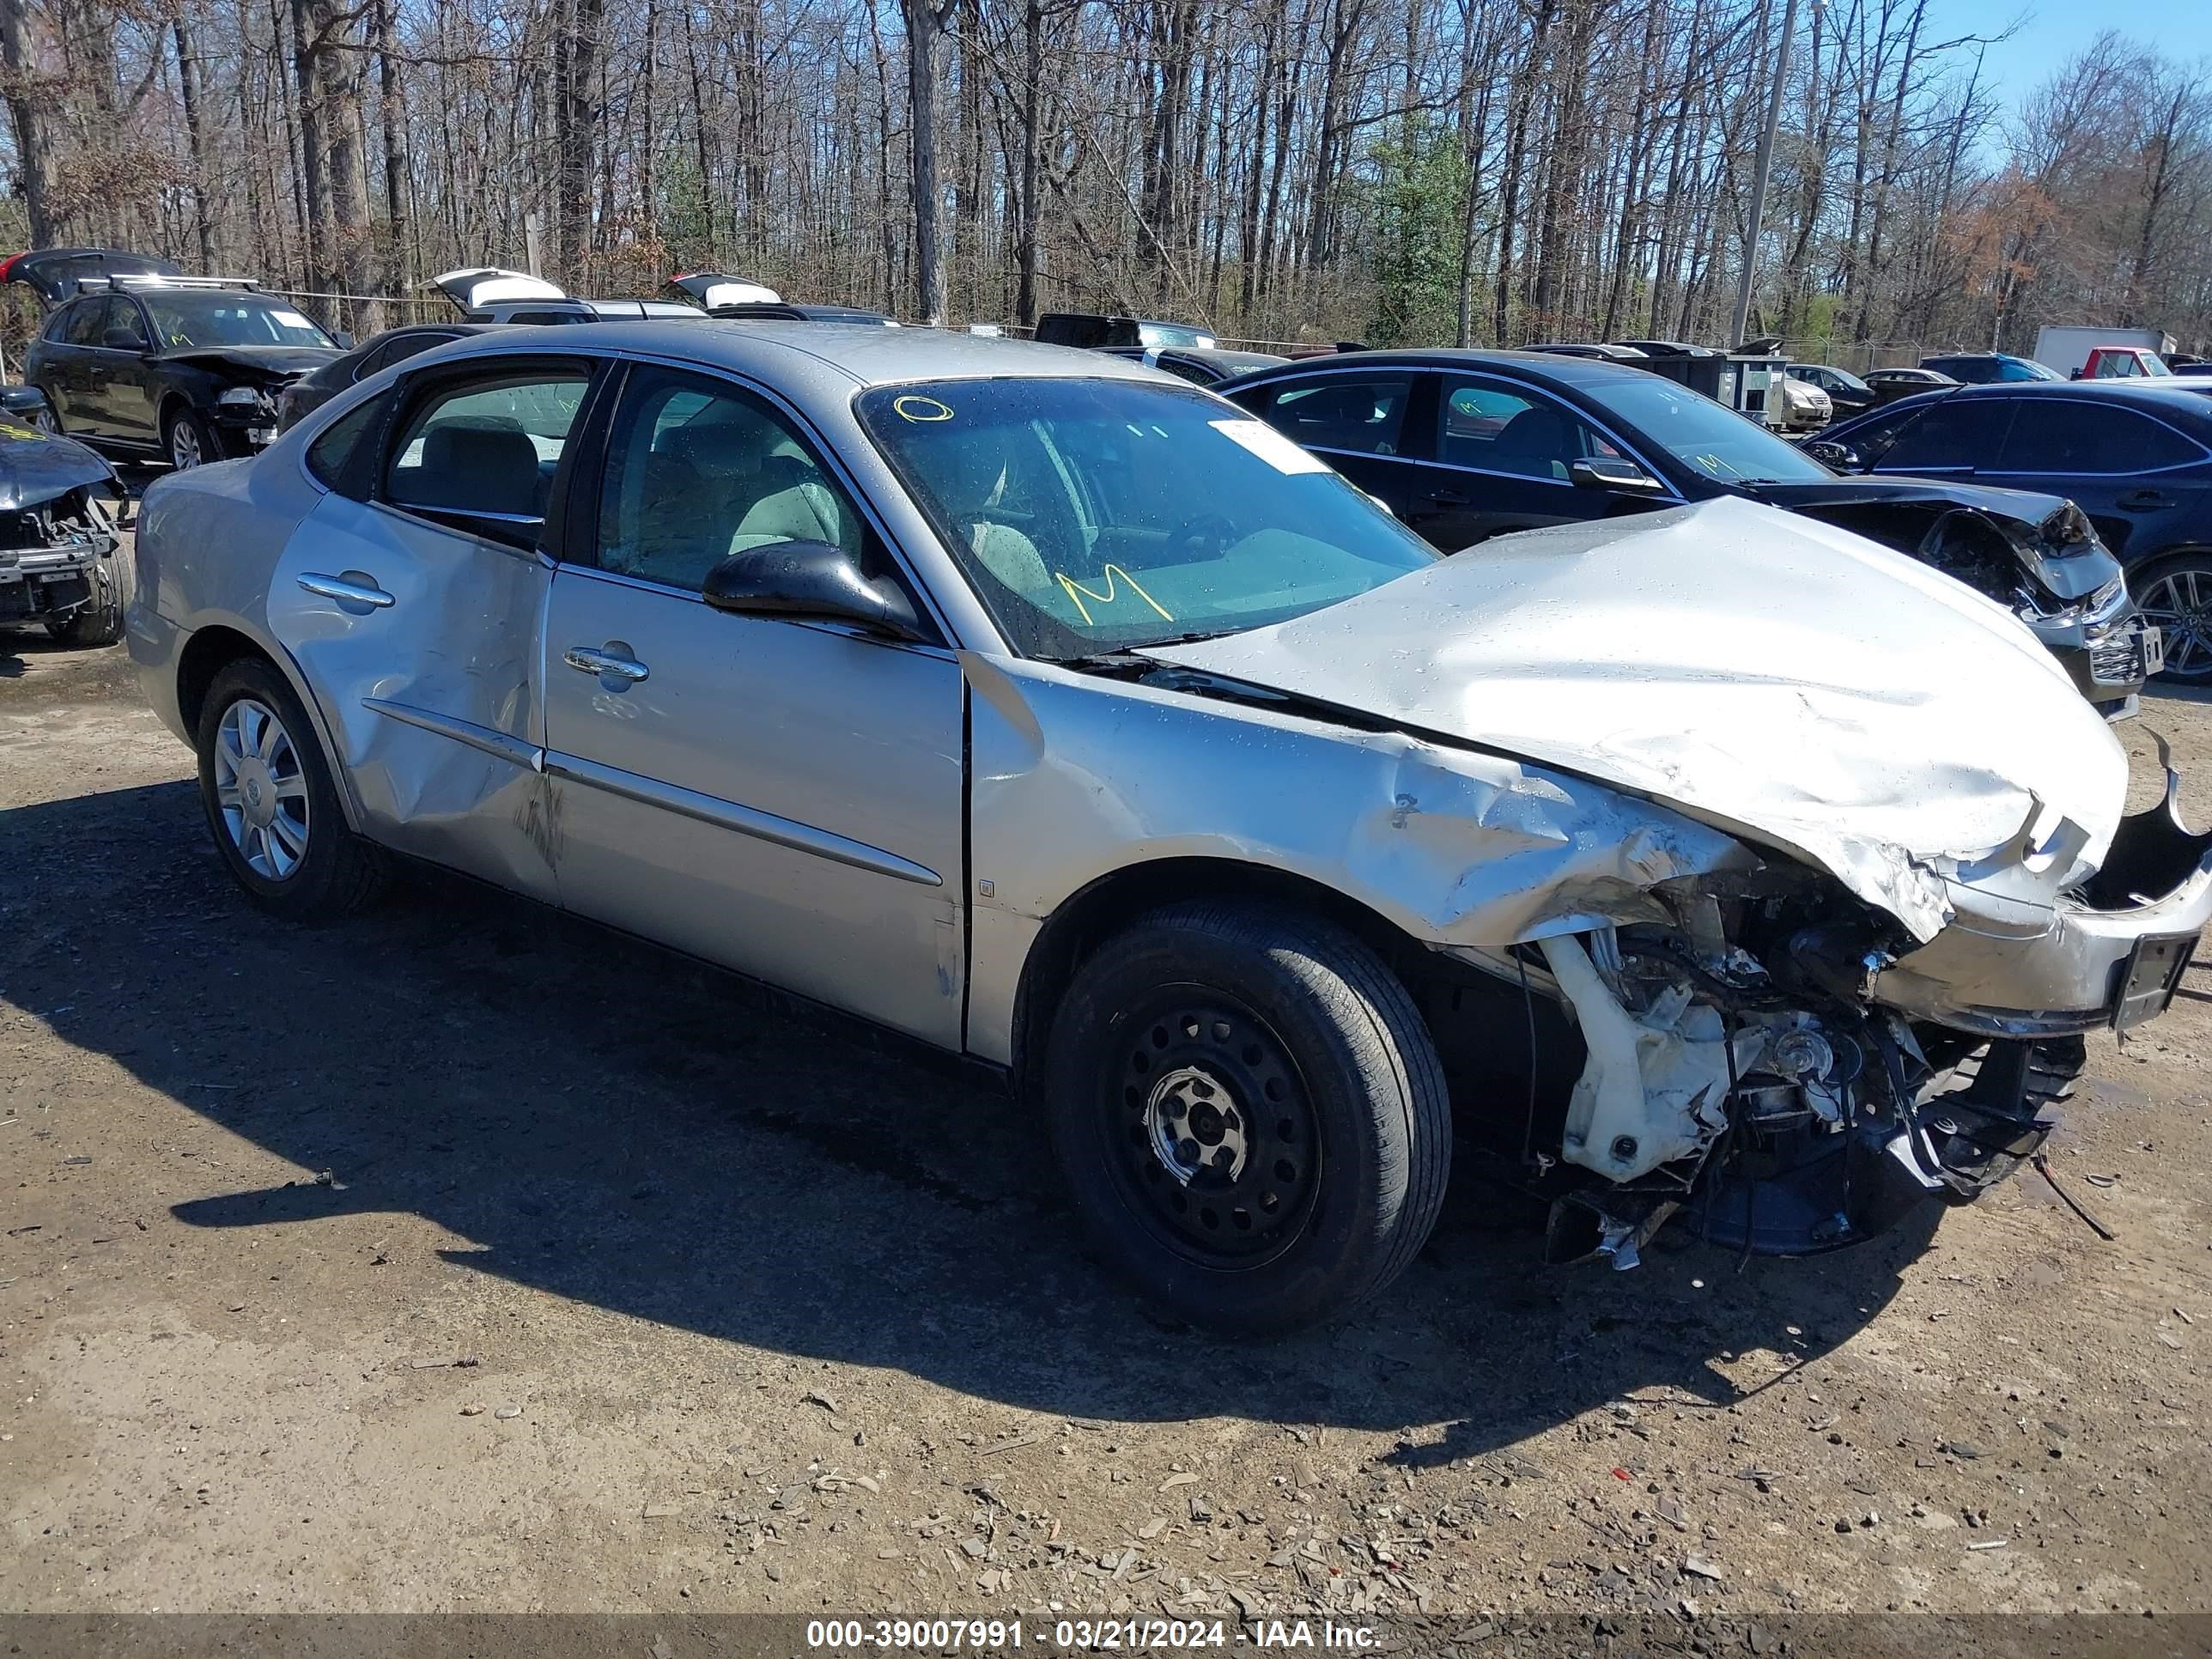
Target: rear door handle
(2137, 500)
(614, 662)
(349, 590)
(1448, 498)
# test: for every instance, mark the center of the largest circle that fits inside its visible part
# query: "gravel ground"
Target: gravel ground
(463, 1258)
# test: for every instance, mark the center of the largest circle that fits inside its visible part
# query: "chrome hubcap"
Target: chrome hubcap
(1195, 1126)
(184, 445)
(2180, 604)
(260, 789)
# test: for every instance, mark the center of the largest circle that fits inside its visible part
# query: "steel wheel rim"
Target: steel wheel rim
(1211, 1136)
(261, 789)
(2180, 603)
(183, 446)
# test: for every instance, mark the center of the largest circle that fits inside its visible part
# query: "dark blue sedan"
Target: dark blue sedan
(2136, 457)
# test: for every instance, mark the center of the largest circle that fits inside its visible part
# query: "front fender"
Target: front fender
(1075, 777)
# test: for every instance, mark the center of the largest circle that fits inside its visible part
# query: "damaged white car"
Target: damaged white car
(1712, 863)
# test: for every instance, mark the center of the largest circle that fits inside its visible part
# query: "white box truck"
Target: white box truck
(2067, 349)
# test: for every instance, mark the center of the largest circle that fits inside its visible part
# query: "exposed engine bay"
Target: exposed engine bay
(1740, 1071)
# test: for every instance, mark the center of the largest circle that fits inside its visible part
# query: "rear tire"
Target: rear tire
(2175, 593)
(1250, 1114)
(271, 804)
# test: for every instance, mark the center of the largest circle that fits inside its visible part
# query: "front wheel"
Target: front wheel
(187, 441)
(1250, 1114)
(100, 619)
(2175, 594)
(272, 804)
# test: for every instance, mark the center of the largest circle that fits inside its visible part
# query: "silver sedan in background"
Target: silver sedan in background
(1060, 715)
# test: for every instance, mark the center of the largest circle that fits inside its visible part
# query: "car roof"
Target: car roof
(2149, 392)
(1557, 366)
(825, 353)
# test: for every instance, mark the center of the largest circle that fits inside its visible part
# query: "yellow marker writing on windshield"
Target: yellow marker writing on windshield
(1076, 591)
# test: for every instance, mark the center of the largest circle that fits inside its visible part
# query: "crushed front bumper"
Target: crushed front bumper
(2110, 954)
(2108, 654)
(39, 583)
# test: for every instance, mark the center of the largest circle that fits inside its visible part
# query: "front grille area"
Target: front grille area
(2117, 659)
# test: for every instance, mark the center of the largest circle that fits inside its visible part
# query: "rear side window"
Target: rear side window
(1959, 432)
(334, 454)
(488, 449)
(2066, 434)
(1365, 414)
(86, 318)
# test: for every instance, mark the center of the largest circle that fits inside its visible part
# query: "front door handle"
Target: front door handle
(613, 663)
(350, 590)
(2141, 500)
(1448, 498)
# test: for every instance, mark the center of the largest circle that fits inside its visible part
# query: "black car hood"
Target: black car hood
(269, 363)
(2035, 523)
(37, 466)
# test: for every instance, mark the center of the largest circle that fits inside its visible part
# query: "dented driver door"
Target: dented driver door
(412, 599)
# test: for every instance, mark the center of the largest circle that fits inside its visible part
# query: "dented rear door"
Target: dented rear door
(415, 617)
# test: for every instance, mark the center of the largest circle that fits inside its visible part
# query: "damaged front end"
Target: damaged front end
(1788, 1071)
(59, 507)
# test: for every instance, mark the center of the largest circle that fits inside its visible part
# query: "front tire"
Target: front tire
(101, 620)
(186, 442)
(1250, 1116)
(2175, 593)
(272, 804)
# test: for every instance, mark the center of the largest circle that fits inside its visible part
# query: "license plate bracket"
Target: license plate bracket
(2154, 971)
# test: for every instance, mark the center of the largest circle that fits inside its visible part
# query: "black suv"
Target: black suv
(180, 368)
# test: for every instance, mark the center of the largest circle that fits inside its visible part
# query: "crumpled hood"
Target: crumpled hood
(36, 466)
(1766, 673)
(272, 363)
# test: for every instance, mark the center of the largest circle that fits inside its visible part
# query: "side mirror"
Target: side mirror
(122, 339)
(812, 581)
(344, 340)
(1836, 457)
(1614, 476)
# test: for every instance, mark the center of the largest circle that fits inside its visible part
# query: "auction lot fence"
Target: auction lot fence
(1592, 1635)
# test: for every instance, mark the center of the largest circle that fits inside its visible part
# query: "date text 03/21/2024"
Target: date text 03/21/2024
(986, 1636)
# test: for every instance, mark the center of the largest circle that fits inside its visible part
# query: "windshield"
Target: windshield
(1835, 376)
(229, 319)
(1096, 515)
(1157, 335)
(1701, 435)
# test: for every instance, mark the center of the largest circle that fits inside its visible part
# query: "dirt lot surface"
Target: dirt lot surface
(461, 1257)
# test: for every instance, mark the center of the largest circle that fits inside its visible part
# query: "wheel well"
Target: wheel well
(1087, 919)
(205, 655)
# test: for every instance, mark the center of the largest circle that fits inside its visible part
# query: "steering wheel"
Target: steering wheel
(1203, 536)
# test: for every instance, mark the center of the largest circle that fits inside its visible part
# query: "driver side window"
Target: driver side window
(1487, 428)
(697, 470)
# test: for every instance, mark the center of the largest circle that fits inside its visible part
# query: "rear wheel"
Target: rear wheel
(272, 804)
(2176, 594)
(1250, 1114)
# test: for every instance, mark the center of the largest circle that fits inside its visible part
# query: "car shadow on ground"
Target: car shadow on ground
(603, 1122)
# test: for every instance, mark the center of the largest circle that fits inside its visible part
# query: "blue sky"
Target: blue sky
(2056, 29)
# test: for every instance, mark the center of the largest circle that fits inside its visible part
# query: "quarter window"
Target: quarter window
(488, 449)
(2071, 434)
(331, 456)
(1365, 414)
(697, 470)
